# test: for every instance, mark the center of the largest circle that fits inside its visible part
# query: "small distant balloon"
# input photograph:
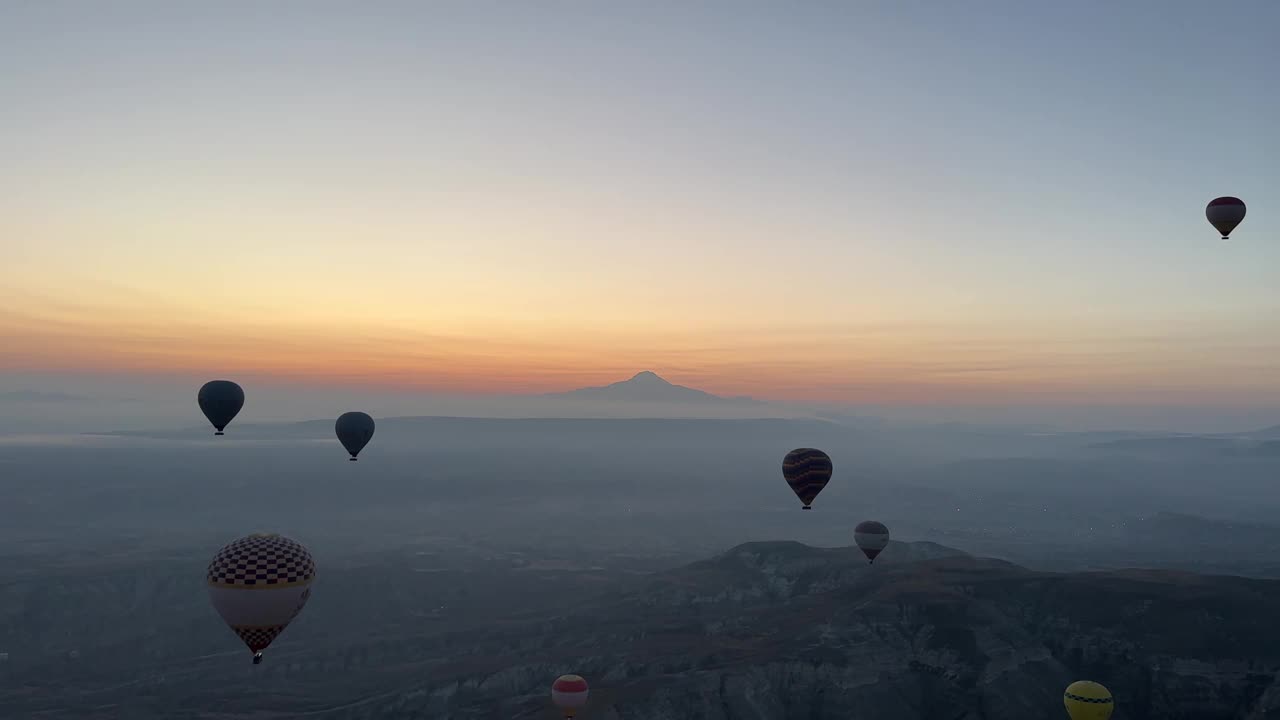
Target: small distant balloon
(220, 401)
(569, 693)
(807, 471)
(1224, 214)
(1088, 700)
(354, 430)
(872, 537)
(259, 584)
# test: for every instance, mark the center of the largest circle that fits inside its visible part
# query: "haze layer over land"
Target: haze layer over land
(464, 561)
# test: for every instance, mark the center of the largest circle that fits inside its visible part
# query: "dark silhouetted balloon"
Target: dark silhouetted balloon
(220, 401)
(354, 430)
(872, 537)
(1224, 214)
(259, 584)
(807, 471)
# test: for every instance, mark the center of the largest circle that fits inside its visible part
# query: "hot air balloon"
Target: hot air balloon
(569, 693)
(220, 401)
(1087, 700)
(871, 537)
(259, 584)
(807, 471)
(354, 430)
(1224, 214)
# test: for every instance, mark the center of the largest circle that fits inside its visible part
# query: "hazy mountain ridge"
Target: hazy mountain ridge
(1267, 433)
(1175, 447)
(496, 430)
(43, 396)
(42, 406)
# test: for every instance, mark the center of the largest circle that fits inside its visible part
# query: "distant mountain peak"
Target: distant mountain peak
(648, 376)
(648, 386)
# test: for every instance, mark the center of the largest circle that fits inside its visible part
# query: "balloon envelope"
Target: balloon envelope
(872, 537)
(220, 401)
(354, 430)
(807, 471)
(1088, 700)
(1225, 213)
(569, 693)
(259, 584)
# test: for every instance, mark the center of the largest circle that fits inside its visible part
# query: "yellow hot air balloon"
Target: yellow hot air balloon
(1088, 700)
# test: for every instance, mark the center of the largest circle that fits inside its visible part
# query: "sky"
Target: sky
(890, 203)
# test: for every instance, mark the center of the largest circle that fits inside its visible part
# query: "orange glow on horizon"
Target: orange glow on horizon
(747, 218)
(799, 363)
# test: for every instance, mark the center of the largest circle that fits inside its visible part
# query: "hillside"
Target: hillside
(765, 630)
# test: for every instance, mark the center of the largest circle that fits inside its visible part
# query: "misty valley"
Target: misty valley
(464, 562)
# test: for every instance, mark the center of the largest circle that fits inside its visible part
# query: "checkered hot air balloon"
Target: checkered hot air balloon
(1224, 214)
(259, 584)
(871, 537)
(569, 693)
(807, 471)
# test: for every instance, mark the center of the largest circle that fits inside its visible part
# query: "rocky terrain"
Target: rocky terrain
(765, 630)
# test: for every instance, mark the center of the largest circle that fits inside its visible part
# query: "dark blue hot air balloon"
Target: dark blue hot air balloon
(354, 430)
(220, 401)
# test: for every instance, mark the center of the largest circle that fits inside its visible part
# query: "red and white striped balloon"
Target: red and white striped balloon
(569, 693)
(1224, 214)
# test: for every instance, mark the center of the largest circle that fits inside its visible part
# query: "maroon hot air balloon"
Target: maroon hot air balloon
(569, 693)
(1224, 214)
(807, 471)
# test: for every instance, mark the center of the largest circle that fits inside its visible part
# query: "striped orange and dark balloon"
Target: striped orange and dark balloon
(807, 471)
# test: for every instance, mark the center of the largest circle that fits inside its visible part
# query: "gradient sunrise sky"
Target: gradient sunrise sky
(890, 202)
